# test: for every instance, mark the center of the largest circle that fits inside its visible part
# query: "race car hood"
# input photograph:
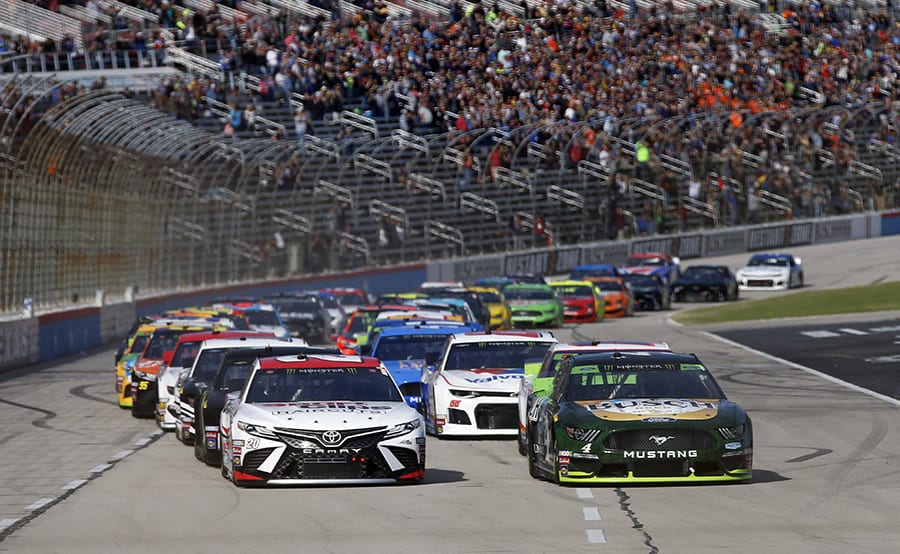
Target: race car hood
(322, 416)
(276, 330)
(487, 379)
(763, 271)
(654, 410)
(578, 302)
(405, 371)
(150, 367)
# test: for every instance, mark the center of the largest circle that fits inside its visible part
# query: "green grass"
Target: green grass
(867, 298)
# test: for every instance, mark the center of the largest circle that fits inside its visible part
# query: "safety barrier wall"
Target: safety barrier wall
(550, 261)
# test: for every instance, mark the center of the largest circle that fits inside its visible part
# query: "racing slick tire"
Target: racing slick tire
(533, 469)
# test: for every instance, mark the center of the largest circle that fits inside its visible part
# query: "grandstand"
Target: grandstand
(151, 138)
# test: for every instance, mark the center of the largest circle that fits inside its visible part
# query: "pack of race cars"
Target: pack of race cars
(269, 408)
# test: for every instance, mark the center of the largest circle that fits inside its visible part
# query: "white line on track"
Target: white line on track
(100, 468)
(595, 536)
(850, 331)
(121, 455)
(38, 504)
(75, 484)
(7, 523)
(809, 370)
(143, 442)
(584, 493)
(591, 513)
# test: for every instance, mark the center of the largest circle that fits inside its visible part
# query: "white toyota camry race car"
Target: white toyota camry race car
(770, 272)
(320, 419)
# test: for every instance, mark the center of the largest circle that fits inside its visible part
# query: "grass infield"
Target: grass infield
(867, 298)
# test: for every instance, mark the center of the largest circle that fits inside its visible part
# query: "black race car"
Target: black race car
(230, 376)
(700, 283)
(652, 417)
(304, 315)
(650, 291)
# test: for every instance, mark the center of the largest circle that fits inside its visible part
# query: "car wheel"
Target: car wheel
(555, 477)
(533, 469)
(800, 281)
(523, 445)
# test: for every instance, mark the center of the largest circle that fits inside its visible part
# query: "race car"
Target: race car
(652, 417)
(650, 292)
(260, 316)
(349, 298)
(618, 299)
(321, 419)
(230, 377)
(472, 389)
(406, 348)
(538, 379)
(582, 303)
(496, 305)
(654, 263)
(533, 305)
(359, 323)
(179, 360)
(770, 272)
(715, 283)
(204, 368)
(303, 314)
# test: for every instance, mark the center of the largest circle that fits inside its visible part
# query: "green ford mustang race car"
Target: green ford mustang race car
(533, 305)
(654, 417)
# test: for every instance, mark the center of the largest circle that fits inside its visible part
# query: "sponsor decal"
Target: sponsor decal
(660, 440)
(238, 442)
(565, 452)
(563, 460)
(454, 403)
(210, 444)
(583, 456)
(236, 460)
(332, 407)
(658, 454)
(639, 409)
(659, 419)
(504, 377)
(732, 446)
(251, 443)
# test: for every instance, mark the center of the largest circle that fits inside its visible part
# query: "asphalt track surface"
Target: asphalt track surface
(79, 474)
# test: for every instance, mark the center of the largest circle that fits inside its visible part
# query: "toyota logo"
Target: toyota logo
(331, 437)
(660, 440)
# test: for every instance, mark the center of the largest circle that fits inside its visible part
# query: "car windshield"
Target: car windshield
(330, 302)
(207, 364)
(700, 273)
(233, 375)
(410, 347)
(297, 306)
(768, 260)
(351, 300)
(574, 291)
(139, 343)
(261, 317)
(296, 384)
(490, 297)
(641, 380)
(159, 344)
(527, 294)
(609, 286)
(360, 323)
(638, 280)
(185, 354)
(645, 260)
(494, 354)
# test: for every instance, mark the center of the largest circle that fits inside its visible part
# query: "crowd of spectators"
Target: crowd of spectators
(482, 68)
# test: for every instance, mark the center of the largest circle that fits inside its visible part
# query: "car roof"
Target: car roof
(243, 342)
(424, 328)
(666, 356)
(609, 346)
(207, 335)
(504, 336)
(316, 361)
(571, 283)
